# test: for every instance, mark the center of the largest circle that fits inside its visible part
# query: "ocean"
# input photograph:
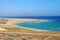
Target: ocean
(53, 25)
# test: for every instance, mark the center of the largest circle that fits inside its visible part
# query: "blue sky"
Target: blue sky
(29, 7)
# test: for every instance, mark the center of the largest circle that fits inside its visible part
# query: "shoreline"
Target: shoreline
(30, 28)
(14, 24)
(34, 29)
(13, 21)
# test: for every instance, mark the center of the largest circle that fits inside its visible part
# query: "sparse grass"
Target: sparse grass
(2, 22)
(12, 28)
(16, 29)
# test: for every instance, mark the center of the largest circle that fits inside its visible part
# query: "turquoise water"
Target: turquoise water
(49, 25)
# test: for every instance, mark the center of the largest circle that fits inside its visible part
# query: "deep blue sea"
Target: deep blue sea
(34, 17)
(53, 25)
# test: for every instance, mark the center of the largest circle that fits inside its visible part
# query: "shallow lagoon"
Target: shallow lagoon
(48, 25)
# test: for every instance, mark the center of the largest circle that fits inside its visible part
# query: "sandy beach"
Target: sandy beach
(8, 29)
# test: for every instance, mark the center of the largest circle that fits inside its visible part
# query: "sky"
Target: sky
(29, 7)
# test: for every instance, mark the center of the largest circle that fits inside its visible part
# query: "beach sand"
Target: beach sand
(9, 31)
